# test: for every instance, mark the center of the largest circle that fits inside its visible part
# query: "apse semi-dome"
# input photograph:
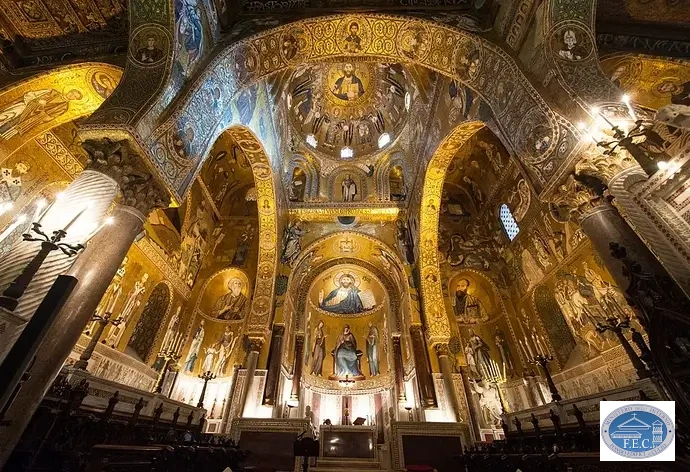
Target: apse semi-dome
(349, 110)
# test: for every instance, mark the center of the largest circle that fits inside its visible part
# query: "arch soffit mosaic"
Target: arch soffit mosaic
(437, 324)
(396, 292)
(267, 264)
(93, 81)
(474, 61)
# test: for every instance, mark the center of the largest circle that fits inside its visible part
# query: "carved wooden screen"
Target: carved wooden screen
(149, 323)
(556, 326)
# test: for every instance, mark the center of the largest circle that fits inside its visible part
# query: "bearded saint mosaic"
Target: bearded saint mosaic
(346, 297)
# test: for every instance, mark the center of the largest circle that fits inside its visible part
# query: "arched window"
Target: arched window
(508, 221)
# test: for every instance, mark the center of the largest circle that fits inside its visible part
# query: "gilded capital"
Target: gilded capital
(442, 349)
(603, 166)
(139, 187)
(579, 195)
(255, 344)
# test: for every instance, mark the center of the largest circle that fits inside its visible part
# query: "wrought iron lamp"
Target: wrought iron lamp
(170, 354)
(206, 377)
(618, 326)
(627, 139)
(10, 297)
(102, 322)
(542, 358)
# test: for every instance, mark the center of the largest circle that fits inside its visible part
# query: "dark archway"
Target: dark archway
(144, 334)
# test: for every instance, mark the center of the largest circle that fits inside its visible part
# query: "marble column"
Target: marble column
(443, 354)
(94, 268)
(399, 369)
(297, 369)
(603, 224)
(423, 367)
(246, 400)
(274, 357)
(89, 188)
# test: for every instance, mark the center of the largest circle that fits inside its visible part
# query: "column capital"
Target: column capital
(116, 159)
(442, 349)
(579, 195)
(255, 344)
(604, 167)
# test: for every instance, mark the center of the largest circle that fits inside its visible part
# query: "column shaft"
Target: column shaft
(447, 372)
(297, 370)
(273, 375)
(252, 359)
(399, 369)
(423, 367)
(89, 187)
(604, 225)
(94, 269)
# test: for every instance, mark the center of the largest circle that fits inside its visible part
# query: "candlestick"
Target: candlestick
(58, 197)
(545, 345)
(522, 347)
(75, 218)
(106, 222)
(626, 99)
(529, 347)
(40, 203)
(597, 112)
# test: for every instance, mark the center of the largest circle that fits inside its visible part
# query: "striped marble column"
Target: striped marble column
(91, 188)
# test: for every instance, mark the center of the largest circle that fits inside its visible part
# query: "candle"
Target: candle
(522, 349)
(45, 212)
(531, 354)
(540, 348)
(75, 218)
(106, 222)
(546, 345)
(597, 112)
(626, 99)
(20, 219)
(40, 203)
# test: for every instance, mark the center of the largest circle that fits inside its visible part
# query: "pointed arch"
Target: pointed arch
(65, 94)
(436, 318)
(381, 176)
(268, 205)
(541, 138)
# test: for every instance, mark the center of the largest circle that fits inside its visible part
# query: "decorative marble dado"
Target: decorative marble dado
(113, 365)
(101, 390)
(588, 404)
(157, 256)
(402, 428)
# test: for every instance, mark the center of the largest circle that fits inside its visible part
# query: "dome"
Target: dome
(349, 110)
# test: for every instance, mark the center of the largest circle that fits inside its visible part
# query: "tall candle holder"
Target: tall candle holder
(101, 322)
(170, 354)
(540, 356)
(617, 326)
(627, 139)
(206, 377)
(10, 297)
(493, 374)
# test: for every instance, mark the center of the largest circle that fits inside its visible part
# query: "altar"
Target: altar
(357, 442)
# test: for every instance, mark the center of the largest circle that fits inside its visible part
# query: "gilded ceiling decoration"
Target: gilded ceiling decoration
(541, 138)
(361, 106)
(651, 82)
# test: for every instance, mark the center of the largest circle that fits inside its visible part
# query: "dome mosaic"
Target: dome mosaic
(349, 110)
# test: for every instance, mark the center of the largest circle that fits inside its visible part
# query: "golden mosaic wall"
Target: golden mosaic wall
(651, 82)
